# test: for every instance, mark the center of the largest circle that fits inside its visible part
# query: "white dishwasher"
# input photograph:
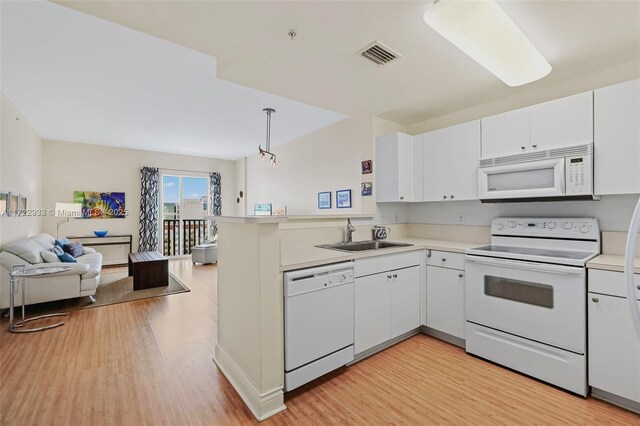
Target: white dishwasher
(318, 322)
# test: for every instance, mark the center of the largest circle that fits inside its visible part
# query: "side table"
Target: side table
(18, 276)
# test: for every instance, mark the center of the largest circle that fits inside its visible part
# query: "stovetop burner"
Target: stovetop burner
(574, 255)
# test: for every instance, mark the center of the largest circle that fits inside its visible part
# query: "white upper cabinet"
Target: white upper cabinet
(397, 173)
(555, 124)
(464, 153)
(617, 139)
(562, 122)
(505, 134)
(450, 163)
(434, 164)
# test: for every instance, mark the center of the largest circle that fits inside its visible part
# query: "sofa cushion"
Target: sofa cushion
(67, 258)
(26, 249)
(45, 240)
(74, 249)
(94, 261)
(49, 256)
(57, 250)
(62, 241)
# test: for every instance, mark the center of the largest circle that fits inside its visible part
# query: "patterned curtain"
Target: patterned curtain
(150, 178)
(215, 198)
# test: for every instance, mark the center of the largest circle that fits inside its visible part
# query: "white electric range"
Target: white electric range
(526, 297)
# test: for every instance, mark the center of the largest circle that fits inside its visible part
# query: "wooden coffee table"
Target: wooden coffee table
(149, 269)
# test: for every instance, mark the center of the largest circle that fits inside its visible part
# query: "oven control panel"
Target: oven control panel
(566, 227)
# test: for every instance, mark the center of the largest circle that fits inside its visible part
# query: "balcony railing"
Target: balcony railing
(179, 237)
(194, 231)
(171, 237)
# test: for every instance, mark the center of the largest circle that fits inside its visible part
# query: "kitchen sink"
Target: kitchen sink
(363, 246)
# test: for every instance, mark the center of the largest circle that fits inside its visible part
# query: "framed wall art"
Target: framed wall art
(324, 200)
(100, 205)
(367, 167)
(367, 189)
(343, 199)
(4, 203)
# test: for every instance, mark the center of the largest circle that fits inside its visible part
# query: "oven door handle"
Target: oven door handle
(531, 266)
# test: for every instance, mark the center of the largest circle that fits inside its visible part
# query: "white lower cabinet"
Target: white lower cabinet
(387, 305)
(405, 300)
(372, 312)
(445, 300)
(614, 350)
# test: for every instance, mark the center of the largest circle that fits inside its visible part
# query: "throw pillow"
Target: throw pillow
(49, 256)
(74, 249)
(66, 257)
(62, 241)
(57, 250)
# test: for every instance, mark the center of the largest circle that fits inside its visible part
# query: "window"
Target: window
(185, 207)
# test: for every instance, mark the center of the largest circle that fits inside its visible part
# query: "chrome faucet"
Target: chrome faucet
(350, 230)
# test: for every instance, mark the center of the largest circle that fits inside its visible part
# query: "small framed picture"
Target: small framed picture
(4, 203)
(367, 189)
(343, 199)
(14, 200)
(324, 200)
(23, 204)
(265, 209)
(367, 167)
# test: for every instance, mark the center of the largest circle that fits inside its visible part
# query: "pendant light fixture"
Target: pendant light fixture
(484, 31)
(266, 152)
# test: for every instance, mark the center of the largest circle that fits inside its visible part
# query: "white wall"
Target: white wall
(590, 81)
(613, 211)
(328, 159)
(72, 167)
(20, 170)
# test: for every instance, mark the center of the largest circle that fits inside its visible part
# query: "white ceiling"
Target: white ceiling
(321, 67)
(75, 77)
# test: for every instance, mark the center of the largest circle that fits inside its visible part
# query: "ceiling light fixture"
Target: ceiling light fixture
(266, 152)
(484, 31)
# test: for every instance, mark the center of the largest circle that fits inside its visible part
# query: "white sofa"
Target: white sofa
(81, 280)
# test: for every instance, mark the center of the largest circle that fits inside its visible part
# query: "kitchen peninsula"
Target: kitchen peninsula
(255, 251)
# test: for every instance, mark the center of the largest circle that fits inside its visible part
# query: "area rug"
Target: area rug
(114, 288)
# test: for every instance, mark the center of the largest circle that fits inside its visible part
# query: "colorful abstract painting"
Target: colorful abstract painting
(101, 205)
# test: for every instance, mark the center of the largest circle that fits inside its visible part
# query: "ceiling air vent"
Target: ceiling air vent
(379, 54)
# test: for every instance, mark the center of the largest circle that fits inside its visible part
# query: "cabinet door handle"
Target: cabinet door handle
(444, 259)
(523, 148)
(428, 253)
(638, 287)
(395, 275)
(451, 197)
(444, 197)
(461, 275)
(402, 198)
(388, 277)
(534, 146)
(595, 300)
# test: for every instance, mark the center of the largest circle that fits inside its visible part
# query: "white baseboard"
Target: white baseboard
(262, 405)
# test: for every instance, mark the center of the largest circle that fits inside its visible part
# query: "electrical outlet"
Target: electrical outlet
(460, 219)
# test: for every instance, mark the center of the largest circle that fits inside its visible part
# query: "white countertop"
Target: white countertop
(612, 262)
(306, 257)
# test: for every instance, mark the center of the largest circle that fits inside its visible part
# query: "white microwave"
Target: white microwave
(556, 174)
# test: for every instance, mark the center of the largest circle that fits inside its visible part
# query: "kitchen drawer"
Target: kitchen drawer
(386, 262)
(445, 259)
(611, 283)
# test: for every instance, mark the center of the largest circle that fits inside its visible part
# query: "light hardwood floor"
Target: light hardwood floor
(149, 362)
